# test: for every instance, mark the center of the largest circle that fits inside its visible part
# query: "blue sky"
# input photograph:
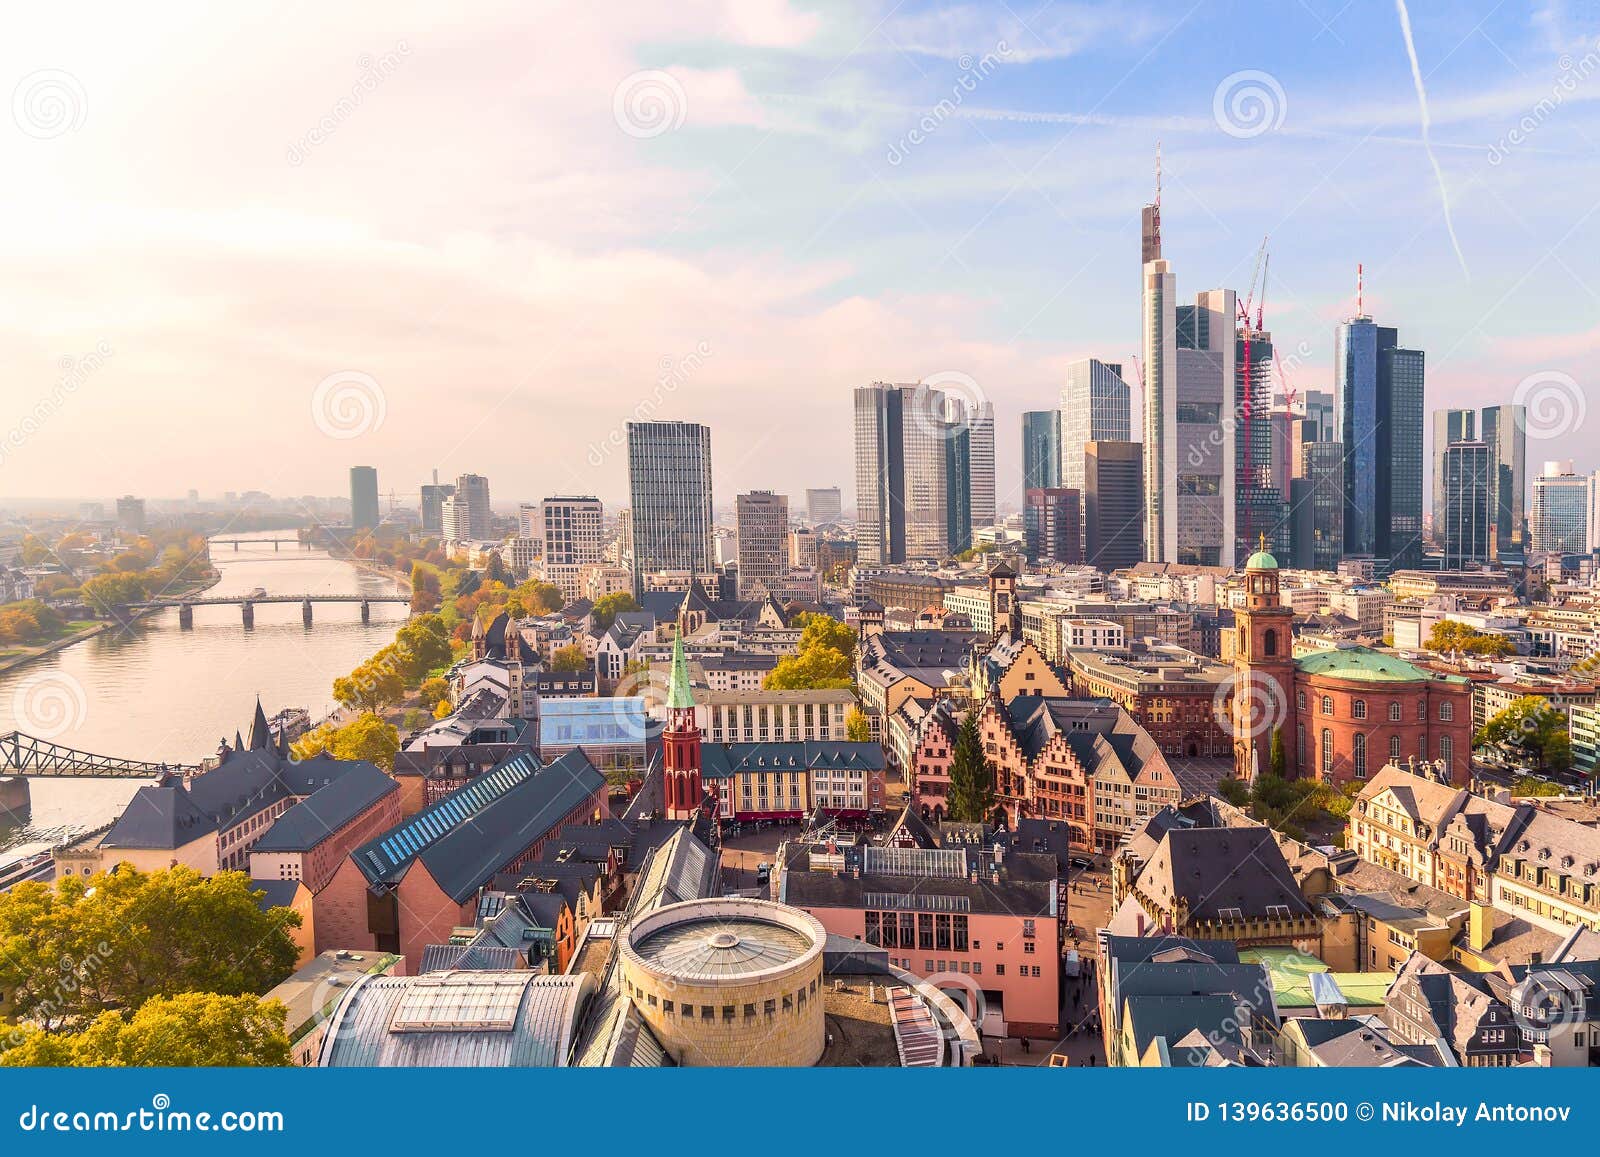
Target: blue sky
(506, 257)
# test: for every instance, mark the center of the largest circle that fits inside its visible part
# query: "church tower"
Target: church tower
(1263, 688)
(1003, 601)
(680, 742)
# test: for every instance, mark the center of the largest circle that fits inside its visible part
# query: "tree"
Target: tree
(1534, 728)
(569, 660)
(104, 591)
(825, 659)
(433, 690)
(191, 1029)
(115, 940)
(1277, 758)
(364, 737)
(1526, 787)
(541, 597)
(856, 727)
(1449, 637)
(424, 642)
(495, 570)
(443, 710)
(376, 684)
(972, 795)
(608, 607)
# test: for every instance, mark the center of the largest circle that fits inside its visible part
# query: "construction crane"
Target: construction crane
(1248, 329)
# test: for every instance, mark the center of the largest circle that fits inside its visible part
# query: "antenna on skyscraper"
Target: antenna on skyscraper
(1157, 202)
(1361, 291)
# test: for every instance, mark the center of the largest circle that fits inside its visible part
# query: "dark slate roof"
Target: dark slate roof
(721, 760)
(1026, 885)
(471, 834)
(1036, 720)
(278, 893)
(168, 815)
(326, 810)
(472, 957)
(662, 604)
(1216, 868)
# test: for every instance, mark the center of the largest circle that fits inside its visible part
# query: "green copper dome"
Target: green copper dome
(1261, 560)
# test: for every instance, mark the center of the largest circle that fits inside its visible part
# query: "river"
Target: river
(157, 691)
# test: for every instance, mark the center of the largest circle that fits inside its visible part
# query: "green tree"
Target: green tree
(1277, 757)
(1527, 787)
(366, 737)
(972, 795)
(1448, 637)
(826, 657)
(496, 571)
(1533, 728)
(857, 729)
(433, 690)
(191, 1029)
(541, 598)
(376, 684)
(608, 607)
(104, 591)
(569, 660)
(424, 643)
(115, 940)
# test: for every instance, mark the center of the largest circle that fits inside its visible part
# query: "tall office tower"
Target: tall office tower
(824, 507)
(959, 433)
(572, 529)
(803, 548)
(1505, 428)
(1463, 521)
(530, 519)
(904, 464)
(363, 497)
(762, 518)
(1189, 431)
(669, 484)
(1052, 526)
(1317, 406)
(1379, 415)
(1113, 504)
(980, 443)
(1560, 518)
(1316, 502)
(1449, 427)
(433, 496)
(465, 512)
(1594, 511)
(1260, 505)
(130, 512)
(1281, 423)
(1096, 406)
(1041, 449)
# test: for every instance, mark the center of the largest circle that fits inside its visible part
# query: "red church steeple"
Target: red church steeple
(680, 742)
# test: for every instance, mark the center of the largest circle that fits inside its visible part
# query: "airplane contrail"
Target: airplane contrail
(1422, 103)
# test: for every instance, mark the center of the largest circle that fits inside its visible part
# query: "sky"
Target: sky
(249, 248)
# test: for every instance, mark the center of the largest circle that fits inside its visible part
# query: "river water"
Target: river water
(161, 692)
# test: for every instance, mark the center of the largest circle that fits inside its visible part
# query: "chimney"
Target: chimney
(1480, 925)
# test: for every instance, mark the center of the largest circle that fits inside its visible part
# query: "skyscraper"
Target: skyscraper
(824, 507)
(669, 487)
(1052, 526)
(1449, 427)
(980, 444)
(1317, 503)
(1189, 441)
(465, 513)
(433, 496)
(1378, 388)
(1260, 504)
(1096, 406)
(1041, 449)
(958, 433)
(1463, 523)
(762, 518)
(910, 457)
(1317, 405)
(363, 497)
(572, 530)
(1560, 519)
(1505, 429)
(1113, 504)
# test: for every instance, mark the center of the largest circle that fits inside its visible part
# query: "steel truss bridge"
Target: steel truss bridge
(27, 755)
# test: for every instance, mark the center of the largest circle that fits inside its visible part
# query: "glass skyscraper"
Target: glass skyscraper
(1464, 529)
(1505, 429)
(669, 483)
(1096, 406)
(1041, 450)
(913, 453)
(1560, 521)
(1379, 417)
(1449, 427)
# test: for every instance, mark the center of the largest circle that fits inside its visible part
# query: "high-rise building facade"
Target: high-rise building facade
(910, 457)
(363, 497)
(1378, 402)
(1449, 427)
(1096, 406)
(1189, 427)
(572, 530)
(1317, 406)
(1041, 449)
(1462, 519)
(669, 488)
(980, 454)
(465, 514)
(1052, 526)
(130, 512)
(824, 506)
(432, 508)
(1113, 505)
(1260, 504)
(762, 518)
(1317, 501)
(1505, 429)
(1560, 520)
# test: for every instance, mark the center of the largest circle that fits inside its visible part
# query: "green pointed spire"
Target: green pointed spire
(678, 693)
